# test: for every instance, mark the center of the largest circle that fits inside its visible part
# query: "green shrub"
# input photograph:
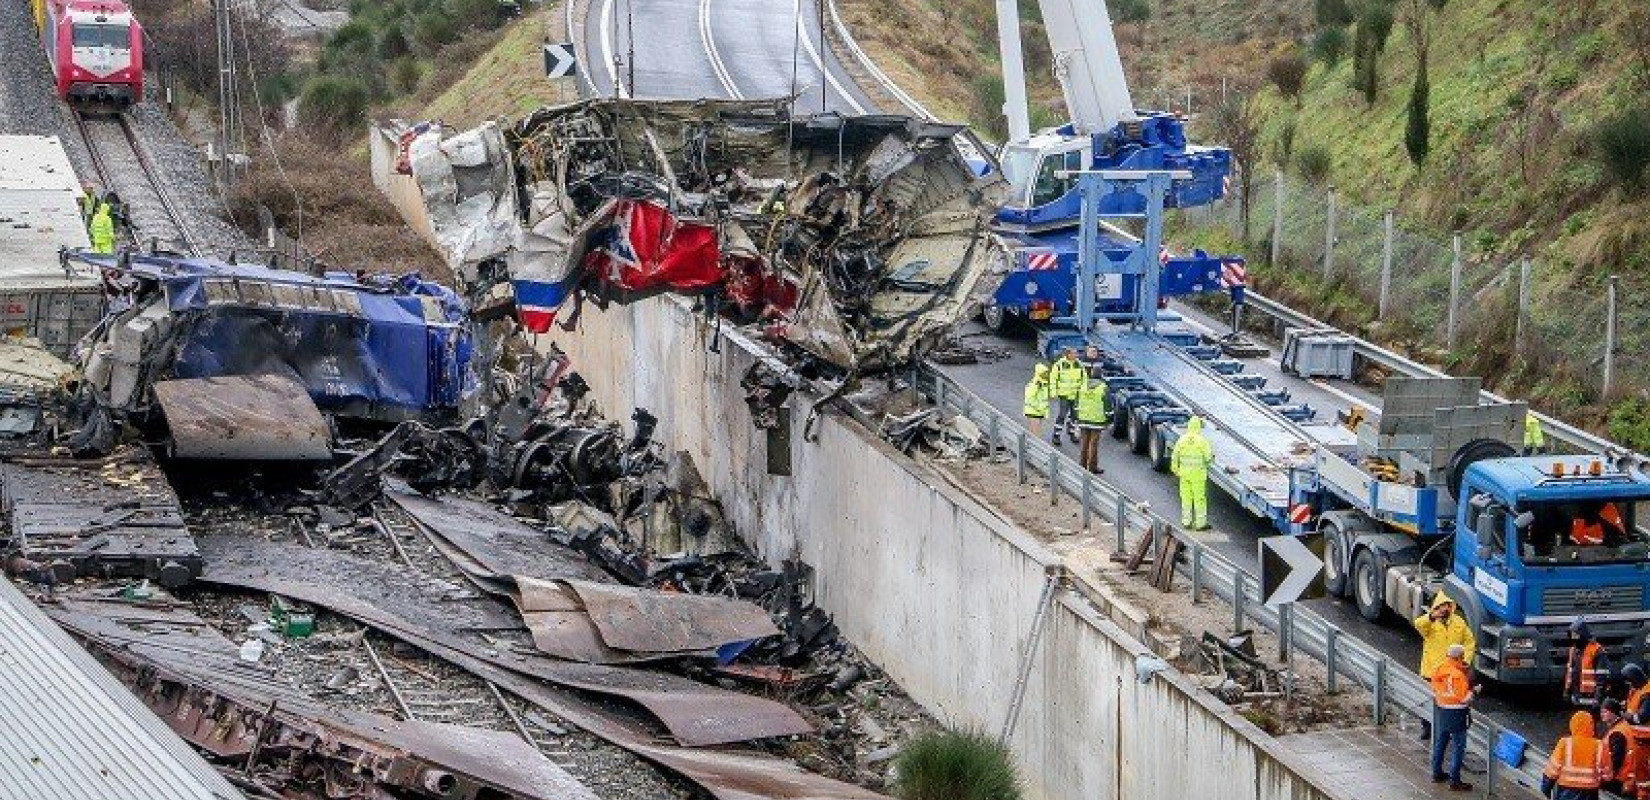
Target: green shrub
(1130, 10)
(1332, 13)
(1622, 147)
(1329, 45)
(955, 765)
(333, 105)
(433, 28)
(480, 14)
(405, 72)
(1314, 162)
(393, 44)
(1417, 130)
(1288, 73)
(1630, 424)
(986, 103)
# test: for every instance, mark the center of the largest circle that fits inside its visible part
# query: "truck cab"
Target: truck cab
(1540, 542)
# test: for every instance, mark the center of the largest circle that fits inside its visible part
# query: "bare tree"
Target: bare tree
(1237, 125)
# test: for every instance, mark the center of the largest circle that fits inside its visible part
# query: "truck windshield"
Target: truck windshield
(1584, 532)
(94, 35)
(1018, 166)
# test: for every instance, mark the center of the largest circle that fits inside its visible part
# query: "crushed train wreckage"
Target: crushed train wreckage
(861, 240)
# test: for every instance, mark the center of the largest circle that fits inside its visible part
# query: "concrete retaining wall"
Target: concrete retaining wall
(931, 585)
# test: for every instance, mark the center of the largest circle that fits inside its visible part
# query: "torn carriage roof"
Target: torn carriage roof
(386, 349)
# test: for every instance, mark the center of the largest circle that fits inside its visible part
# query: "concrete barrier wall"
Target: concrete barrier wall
(930, 584)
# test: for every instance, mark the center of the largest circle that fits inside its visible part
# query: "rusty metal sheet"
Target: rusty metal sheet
(497, 541)
(398, 601)
(186, 671)
(244, 417)
(648, 620)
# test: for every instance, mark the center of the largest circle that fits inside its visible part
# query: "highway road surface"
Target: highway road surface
(744, 48)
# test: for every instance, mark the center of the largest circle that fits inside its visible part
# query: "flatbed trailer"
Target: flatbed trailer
(1425, 495)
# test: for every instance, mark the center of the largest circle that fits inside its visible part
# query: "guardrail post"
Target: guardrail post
(1286, 631)
(1491, 731)
(1610, 338)
(1197, 573)
(1053, 477)
(1329, 236)
(1386, 263)
(995, 434)
(1379, 693)
(1087, 490)
(1454, 289)
(1237, 600)
(1523, 303)
(1122, 520)
(1020, 456)
(1331, 658)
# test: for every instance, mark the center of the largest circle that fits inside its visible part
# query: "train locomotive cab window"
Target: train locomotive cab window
(91, 34)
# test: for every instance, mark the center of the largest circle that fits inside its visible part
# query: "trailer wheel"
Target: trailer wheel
(1140, 432)
(1368, 588)
(1158, 450)
(1120, 421)
(1334, 555)
(994, 317)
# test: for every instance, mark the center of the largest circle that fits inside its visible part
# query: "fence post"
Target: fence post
(996, 437)
(1277, 218)
(1329, 237)
(1610, 339)
(1084, 501)
(1197, 573)
(1454, 289)
(1331, 658)
(1386, 263)
(1523, 303)
(1237, 600)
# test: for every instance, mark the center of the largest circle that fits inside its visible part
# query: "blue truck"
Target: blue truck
(1425, 494)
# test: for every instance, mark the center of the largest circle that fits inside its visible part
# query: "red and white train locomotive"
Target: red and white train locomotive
(95, 48)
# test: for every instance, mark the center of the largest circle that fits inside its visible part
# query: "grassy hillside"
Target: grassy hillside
(505, 81)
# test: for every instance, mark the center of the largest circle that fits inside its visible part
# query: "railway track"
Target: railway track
(123, 165)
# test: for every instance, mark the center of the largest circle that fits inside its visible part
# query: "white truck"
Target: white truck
(40, 295)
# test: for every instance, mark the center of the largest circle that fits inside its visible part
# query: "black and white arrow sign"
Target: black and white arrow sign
(1291, 568)
(559, 60)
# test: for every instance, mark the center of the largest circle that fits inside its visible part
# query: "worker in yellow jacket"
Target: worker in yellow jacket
(102, 230)
(1441, 627)
(1037, 395)
(1190, 461)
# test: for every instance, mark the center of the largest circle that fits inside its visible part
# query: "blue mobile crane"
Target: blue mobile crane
(1424, 495)
(1106, 132)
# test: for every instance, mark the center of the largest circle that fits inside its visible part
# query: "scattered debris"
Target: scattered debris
(859, 240)
(110, 519)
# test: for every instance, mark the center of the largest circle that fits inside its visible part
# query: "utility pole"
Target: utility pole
(1386, 263)
(1277, 218)
(630, 45)
(229, 116)
(1454, 289)
(1329, 237)
(1523, 304)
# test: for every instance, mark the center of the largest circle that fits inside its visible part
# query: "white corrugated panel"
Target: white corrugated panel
(39, 212)
(70, 731)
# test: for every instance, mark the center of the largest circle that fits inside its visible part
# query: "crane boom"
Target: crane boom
(1087, 64)
(1014, 75)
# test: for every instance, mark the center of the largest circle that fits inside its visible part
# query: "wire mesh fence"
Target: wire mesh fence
(1465, 301)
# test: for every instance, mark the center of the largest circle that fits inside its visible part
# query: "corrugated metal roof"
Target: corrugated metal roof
(70, 731)
(39, 212)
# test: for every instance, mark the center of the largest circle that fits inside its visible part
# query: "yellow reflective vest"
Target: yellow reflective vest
(1068, 377)
(1091, 403)
(1036, 399)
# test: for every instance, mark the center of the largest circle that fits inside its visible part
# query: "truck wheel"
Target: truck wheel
(1120, 421)
(1334, 553)
(1368, 586)
(1140, 432)
(1158, 450)
(995, 317)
